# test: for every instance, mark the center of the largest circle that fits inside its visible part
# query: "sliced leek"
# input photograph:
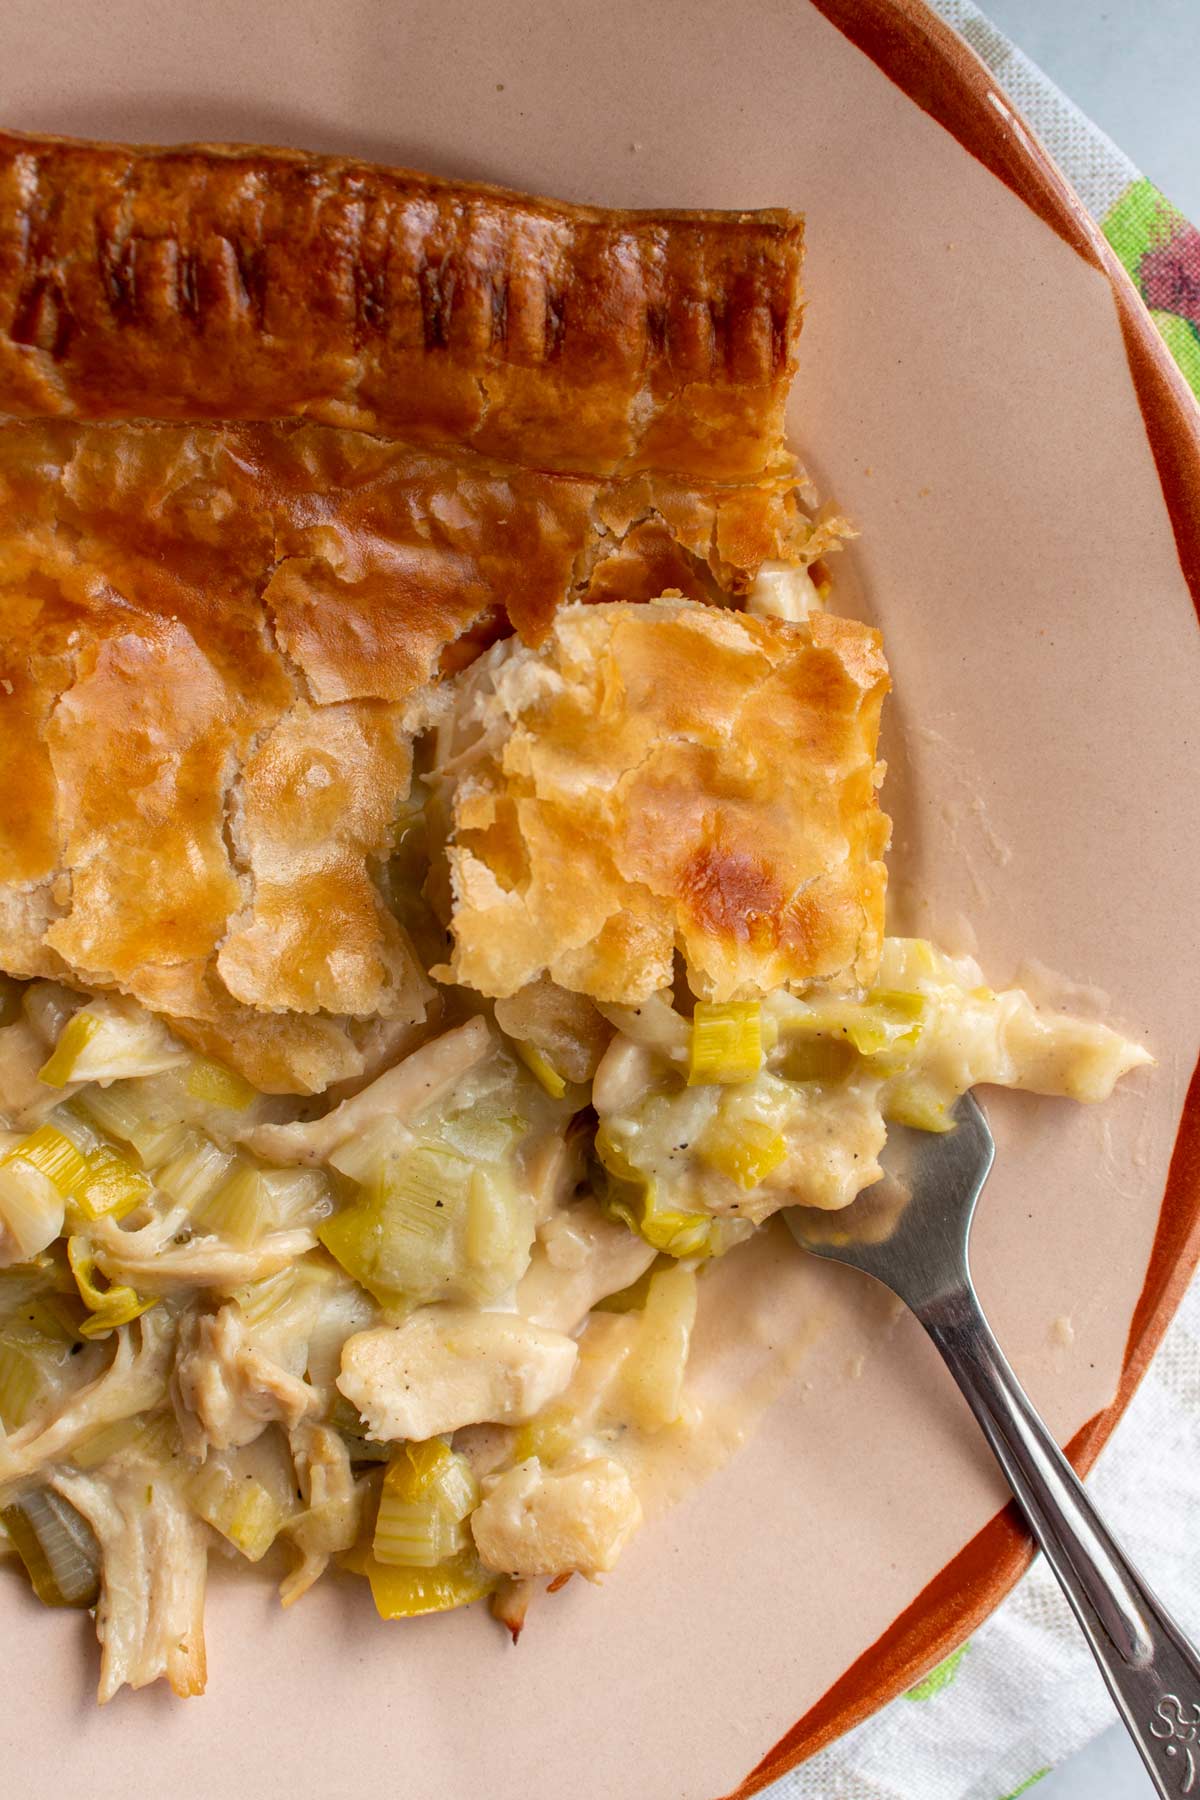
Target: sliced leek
(195, 1171)
(72, 1042)
(57, 1546)
(113, 1186)
(726, 1042)
(746, 1149)
(217, 1086)
(238, 1506)
(110, 1306)
(152, 1437)
(408, 1593)
(542, 1069)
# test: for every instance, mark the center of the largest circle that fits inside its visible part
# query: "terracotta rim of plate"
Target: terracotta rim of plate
(938, 71)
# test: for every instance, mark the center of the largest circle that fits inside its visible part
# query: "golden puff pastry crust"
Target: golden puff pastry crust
(668, 777)
(225, 282)
(208, 641)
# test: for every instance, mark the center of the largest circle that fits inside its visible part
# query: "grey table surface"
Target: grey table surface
(1134, 67)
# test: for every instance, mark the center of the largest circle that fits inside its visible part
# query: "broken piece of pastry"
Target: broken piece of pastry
(441, 872)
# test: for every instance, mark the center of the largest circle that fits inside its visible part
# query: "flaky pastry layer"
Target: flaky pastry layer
(668, 777)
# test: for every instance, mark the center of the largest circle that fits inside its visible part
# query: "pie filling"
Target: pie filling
(441, 879)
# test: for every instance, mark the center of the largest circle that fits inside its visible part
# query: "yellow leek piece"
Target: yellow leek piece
(746, 1150)
(109, 1306)
(218, 1086)
(414, 1534)
(112, 1188)
(240, 1209)
(726, 1043)
(627, 1194)
(541, 1068)
(239, 1507)
(31, 1206)
(57, 1546)
(195, 1171)
(549, 1436)
(917, 1104)
(52, 1153)
(72, 1042)
(129, 1110)
(22, 1378)
(153, 1436)
(401, 1593)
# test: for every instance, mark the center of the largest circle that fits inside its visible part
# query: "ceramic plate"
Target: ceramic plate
(981, 392)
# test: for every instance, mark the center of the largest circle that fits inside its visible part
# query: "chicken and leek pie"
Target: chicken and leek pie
(441, 871)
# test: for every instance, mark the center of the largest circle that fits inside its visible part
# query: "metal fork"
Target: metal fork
(911, 1233)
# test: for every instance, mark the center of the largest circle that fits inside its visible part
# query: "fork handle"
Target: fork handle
(1152, 1672)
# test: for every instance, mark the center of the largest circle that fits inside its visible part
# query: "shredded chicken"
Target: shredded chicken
(225, 1390)
(400, 1093)
(447, 1366)
(154, 1556)
(134, 1381)
(151, 1260)
(334, 1506)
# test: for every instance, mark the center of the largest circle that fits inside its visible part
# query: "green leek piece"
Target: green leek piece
(52, 1153)
(73, 1040)
(746, 1150)
(195, 1171)
(109, 1306)
(29, 1357)
(625, 1193)
(57, 1546)
(406, 1593)
(431, 1224)
(428, 1492)
(726, 1043)
(31, 1206)
(217, 1086)
(542, 1069)
(112, 1187)
(908, 1100)
(241, 1208)
(887, 1020)
(135, 1114)
(152, 1436)
(238, 1506)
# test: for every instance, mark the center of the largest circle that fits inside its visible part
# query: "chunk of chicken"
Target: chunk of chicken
(535, 1522)
(413, 1084)
(154, 1561)
(447, 1366)
(225, 1390)
(581, 1257)
(333, 1510)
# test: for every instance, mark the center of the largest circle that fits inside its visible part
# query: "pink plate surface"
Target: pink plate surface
(967, 396)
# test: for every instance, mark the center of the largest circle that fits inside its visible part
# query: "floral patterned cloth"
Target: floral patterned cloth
(1023, 1694)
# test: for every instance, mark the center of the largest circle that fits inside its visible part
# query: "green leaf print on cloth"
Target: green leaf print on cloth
(1026, 1785)
(1161, 251)
(939, 1678)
